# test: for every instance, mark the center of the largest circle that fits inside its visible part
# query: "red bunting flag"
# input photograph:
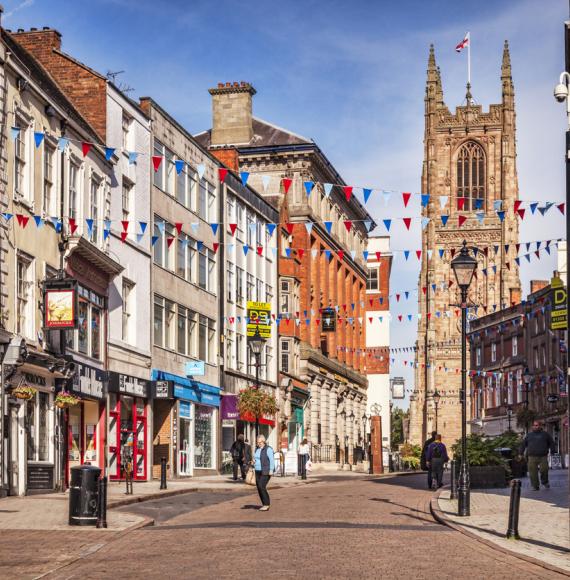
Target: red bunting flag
(286, 182)
(370, 320)
(222, 172)
(429, 315)
(348, 225)
(450, 283)
(378, 255)
(407, 222)
(341, 256)
(537, 254)
(168, 241)
(178, 226)
(233, 228)
(424, 290)
(560, 206)
(521, 213)
(400, 317)
(300, 253)
(462, 219)
(516, 205)
(216, 246)
(259, 250)
(22, 220)
(124, 236)
(397, 298)
(85, 147)
(347, 192)
(156, 161)
(508, 265)
(460, 203)
(371, 301)
(518, 247)
(72, 225)
(406, 197)
(289, 228)
(125, 225)
(419, 254)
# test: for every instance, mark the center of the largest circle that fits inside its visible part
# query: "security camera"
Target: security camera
(561, 92)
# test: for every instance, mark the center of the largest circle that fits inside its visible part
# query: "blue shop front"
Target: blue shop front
(185, 425)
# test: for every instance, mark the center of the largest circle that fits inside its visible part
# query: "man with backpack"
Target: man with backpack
(237, 452)
(423, 463)
(436, 458)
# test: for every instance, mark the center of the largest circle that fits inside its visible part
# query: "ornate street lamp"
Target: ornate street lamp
(464, 266)
(256, 343)
(436, 398)
(527, 379)
(509, 416)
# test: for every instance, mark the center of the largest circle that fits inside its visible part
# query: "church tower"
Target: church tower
(469, 172)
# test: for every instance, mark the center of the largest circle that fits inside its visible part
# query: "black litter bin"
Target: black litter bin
(83, 495)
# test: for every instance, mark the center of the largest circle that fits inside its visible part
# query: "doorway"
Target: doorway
(184, 452)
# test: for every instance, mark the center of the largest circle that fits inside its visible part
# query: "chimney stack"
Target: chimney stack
(232, 119)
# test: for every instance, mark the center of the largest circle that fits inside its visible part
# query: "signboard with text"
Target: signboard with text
(328, 320)
(559, 313)
(259, 316)
(60, 304)
(195, 368)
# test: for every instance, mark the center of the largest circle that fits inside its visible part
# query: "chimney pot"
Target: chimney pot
(45, 28)
(228, 85)
(20, 30)
(220, 85)
(33, 29)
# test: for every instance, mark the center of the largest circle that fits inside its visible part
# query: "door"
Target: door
(184, 454)
(14, 451)
(139, 455)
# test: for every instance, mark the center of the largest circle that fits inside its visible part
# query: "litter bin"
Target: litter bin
(83, 495)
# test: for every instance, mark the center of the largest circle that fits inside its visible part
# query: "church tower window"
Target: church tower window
(471, 175)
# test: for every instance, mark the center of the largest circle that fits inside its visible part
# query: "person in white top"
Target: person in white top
(303, 458)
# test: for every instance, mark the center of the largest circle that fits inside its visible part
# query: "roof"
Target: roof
(265, 134)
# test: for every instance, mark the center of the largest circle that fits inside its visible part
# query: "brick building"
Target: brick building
(322, 236)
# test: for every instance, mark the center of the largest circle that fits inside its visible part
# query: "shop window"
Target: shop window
(203, 437)
(38, 419)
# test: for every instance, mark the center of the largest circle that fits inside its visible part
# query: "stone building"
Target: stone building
(321, 237)
(469, 172)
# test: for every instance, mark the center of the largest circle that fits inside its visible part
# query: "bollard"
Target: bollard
(163, 473)
(453, 480)
(102, 503)
(304, 466)
(514, 508)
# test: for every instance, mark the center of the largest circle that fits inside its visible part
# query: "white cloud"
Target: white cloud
(18, 7)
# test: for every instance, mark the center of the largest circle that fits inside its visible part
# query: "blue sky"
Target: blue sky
(350, 75)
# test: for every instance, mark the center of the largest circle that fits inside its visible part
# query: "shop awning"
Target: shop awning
(190, 390)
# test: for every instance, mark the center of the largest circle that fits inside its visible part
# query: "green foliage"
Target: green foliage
(397, 434)
(256, 402)
(409, 450)
(410, 462)
(525, 416)
(508, 439)
(480, 451)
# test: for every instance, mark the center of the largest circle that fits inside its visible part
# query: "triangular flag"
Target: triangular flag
(62, 143)
(425, 199)
(270, 228)
(533, 207)
(289, 227)
(460, 203)
(124, 236)
(286, 183)
(179, 166)
(328, 226)
(153, 240)
(406, 254)
(39, 221)
(309, 227)
(367, 225)
(245, 249)
(386, 195)
(139, 238)
(406, 197)
(125, 224)
(407, 222)
(89, 222)
(347, 192)
(109, 152)
(521, 213)
(480, 215)
(308, 187)
(133, 155)
(462, 219)
(222, 172)
(216, 245)
(14, 132)
(478, 203)
(443, 199)
(328, 188)
(214, 228)
(85, 148)
(156, 161)
(201, 169)
(498, 204)
(501, 215)
(444, 219)
(265, 180)
(387, 224)
(348, 225)
(560, 206)
(425, 222)
(366, 193)
(244, 176)
(38, 138)
(233, 228)
(22, 220)
(177, 225)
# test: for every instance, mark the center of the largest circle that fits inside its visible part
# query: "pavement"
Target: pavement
(543, 523)
(338, 527)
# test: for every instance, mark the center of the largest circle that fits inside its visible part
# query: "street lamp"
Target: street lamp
(527, 379)
(509, 416)
(256, 343)
(464, 267)
(436, 398)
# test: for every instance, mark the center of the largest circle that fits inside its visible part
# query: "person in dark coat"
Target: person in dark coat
(237, 452)
(423, 464)
(436, 458)
(537, 444)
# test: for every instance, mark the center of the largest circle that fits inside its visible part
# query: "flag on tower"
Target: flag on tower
(463, 43)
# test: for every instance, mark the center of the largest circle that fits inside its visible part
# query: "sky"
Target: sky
(351, 76)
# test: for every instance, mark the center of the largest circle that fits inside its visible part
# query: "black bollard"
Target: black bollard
(514, 508)
(102, 503)
(163, 473)
(303, 466)
(453, 480)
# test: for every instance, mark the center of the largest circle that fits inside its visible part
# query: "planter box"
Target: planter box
(486, 476)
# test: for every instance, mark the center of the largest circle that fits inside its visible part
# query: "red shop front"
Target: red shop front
(128, 426)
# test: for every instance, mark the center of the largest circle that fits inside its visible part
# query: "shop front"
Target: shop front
(295, 427)
(86, 420)
(128, 430)
(193, 425)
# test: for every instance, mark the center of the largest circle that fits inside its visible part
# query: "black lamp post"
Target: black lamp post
(464, 267)
(527, 379)
(436, 398)
(256, 343)
(509, 416)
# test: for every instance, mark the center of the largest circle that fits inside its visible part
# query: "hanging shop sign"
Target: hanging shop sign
(162, 389)
(259, 317)
(328, 320)
(559, 313)
(89, 381)
(230, 407)
(195, 368)
(60, 304)
(128, 385)
(398, 388)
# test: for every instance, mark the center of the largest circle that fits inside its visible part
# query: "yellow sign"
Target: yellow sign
(259, 315)
(559, 313)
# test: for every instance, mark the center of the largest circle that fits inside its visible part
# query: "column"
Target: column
(333, 429)
(325, 391)
(315, 400)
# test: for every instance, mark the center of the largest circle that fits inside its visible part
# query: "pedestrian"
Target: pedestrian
(423, 464)
(436, 457)
(237, 452)
(247, 452)
(303, 458)
(537, 444)
(264, 466)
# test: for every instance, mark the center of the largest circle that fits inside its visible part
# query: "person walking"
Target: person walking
(423, 464)
(303, 458)
(264, 465)
(237, 452)
(436, 458)
(537, 444)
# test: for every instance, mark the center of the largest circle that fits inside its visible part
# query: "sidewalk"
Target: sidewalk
(543, 524)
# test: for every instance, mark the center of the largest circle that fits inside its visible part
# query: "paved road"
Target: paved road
(333, 529)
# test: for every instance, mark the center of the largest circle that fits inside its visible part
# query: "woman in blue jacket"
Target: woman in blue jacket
(264, 464)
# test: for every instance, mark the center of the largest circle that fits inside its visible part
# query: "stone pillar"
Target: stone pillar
(333, 403)
(315, 401)
(325, 391)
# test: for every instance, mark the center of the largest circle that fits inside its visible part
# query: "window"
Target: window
(39, 427)
(73, 194)
(515, 345)
(240, 217)
(127, 197)
(203, 269)
(258, 290)
(170, 171)
(249, 287)
(471, 174)
(158, 321)
(250, 230)
(239, 285)
(231, 209)
(230, 349)
(478, 356)
(268, 293)
(158, 248)
(192, 261)
(285, 356)
(203, 199)
(493, 351)
(192, 333)
(519, 385)
(211, 271)
(543, 355)
(211, 341)
(181, 330)
(94, 207)
(169, 248)
(25, 295)
(231, 283)
(127, 305)
(49, 180)
(21, 160)
(239, 351)
(285, 298)
(510, 389)
(207, 339)
(169, 324)
(159, 173)
(126, 126)
(535, 357)
(87, 339)
(372, 280)
(212, 213)
(182, 187)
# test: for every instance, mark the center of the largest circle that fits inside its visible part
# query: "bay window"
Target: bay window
(88, 338)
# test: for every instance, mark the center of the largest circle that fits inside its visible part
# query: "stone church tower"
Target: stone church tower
(470, 158)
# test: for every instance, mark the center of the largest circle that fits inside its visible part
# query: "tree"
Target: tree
(254, 403)
(397, 434)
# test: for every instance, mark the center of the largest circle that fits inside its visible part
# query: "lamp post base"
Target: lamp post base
(463, 492)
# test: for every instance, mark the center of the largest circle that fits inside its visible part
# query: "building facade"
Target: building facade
(469, 172)
(320, 247)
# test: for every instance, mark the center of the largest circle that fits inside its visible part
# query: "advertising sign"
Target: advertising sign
(259, 314)
(195, 368)
(163, 389)
(398, 388)
(89, 381)
(328, 320)
(559, 313)
(60, 304)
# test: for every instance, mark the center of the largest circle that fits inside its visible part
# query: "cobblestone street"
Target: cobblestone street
(336, 528)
